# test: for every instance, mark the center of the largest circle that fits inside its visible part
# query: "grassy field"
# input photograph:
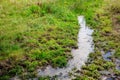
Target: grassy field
(36, 33)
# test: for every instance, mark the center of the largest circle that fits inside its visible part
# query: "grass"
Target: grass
(37, 33)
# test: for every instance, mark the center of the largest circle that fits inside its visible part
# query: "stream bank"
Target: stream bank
(104, 64)
(80, 55)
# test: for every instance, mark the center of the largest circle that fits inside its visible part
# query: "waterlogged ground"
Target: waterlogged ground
(80, 55)
(38, 33)
(104, 64)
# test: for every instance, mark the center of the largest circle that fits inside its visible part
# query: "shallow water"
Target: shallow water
(107, 56)
(117, 64)
(80, 55)
(110, 75)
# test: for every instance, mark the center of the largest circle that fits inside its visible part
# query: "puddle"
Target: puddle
(110, 78)
(117, 64)
(107, 56)
(80, 55)
(105, 78)
(109, 75)
(105, 72)
(15, 78)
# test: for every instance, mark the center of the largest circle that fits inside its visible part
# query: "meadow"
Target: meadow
(37, 33)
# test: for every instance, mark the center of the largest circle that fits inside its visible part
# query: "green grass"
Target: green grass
(37, 33)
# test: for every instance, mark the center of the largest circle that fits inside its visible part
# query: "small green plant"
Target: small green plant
(6, 77)
(44, 78)
(59, 61)
(108, 65)
(31, 66)
(16, 70)
(117, 54)
(83, 78)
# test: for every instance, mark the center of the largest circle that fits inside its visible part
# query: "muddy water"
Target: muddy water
(80, 55)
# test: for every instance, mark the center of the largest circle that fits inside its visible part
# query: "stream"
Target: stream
(80, 55)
